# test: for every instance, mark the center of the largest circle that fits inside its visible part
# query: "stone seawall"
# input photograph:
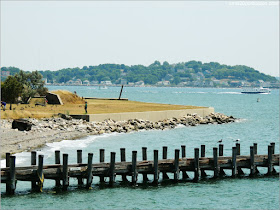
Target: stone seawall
(152, 116)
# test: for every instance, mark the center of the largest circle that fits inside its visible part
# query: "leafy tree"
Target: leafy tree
(11, 89)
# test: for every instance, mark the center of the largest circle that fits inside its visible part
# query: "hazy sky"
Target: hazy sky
(51, 35)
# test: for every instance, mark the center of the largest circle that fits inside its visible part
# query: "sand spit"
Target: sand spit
(57, 129)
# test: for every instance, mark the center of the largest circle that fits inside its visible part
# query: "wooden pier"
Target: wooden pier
(170, 168)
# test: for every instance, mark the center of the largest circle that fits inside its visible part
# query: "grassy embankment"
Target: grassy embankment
(75, 105)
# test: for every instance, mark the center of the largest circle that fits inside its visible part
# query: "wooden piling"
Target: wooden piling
(144, 158)
(183, 150)
(40, 173)
(202, 151)
(252, 161)
(57, 161)
(176, 165)
(164, 157)
(233, 162)
(196, 164)
(65, 178)
(33, 163)
(121, 93)
(8, 155)
(124, 179)
(215, 162)
(202, 154)
(269, 160)
(11, 182)
(237, 148)
(273, 147)
(101, 160)
(221, 150)
(134, 168)
(156, 171)
(112, 174)
(89, 171)
(255, 148)
(80, 160)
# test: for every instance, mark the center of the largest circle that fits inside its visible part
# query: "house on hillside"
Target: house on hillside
(86, 82)
(140, 83)
(106, 82)
(78, 82)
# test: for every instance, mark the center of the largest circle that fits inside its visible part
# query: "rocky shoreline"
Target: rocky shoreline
(56, 129)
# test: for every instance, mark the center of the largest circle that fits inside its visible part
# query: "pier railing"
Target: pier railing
(170, 168)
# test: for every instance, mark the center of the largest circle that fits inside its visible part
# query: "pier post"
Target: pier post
(89, 171)
(101, 160)
(164, 157)
(112, 169)
(65, 178)
(202, 154)
(221, 150)
(80, 160)
(124, 179)
(183, 150)
(134, 168)
(255, 148)
(176, 165)
(33, 163)
(273, 151)
(252, 161)
(237, 148)
(8, 155)
(40, 173)
(196, 164)
(144, 158)
(57, 161)
(233, 161)
(156, 172)
(215, 162)
(269, 160)
(11, 182)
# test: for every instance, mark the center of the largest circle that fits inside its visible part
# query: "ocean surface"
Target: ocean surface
(258, 122)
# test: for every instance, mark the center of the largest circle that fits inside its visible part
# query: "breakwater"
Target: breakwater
(62, 171)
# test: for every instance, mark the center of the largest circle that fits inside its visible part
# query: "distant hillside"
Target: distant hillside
(188, 72)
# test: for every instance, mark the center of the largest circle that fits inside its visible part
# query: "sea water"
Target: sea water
(258, 122)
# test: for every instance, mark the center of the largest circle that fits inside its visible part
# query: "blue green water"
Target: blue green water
(258, 123)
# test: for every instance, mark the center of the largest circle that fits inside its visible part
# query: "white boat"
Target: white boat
(249, 90)
(103, 87)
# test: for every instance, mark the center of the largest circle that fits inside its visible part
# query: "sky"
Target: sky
(51, 35)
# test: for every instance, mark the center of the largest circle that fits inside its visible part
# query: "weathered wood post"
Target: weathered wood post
(273, 151)
(80, 160)
(156, 171)
(134, 168)
(164, 157)
(65, 178)
(58, 171)
(40, 173)
(124, 179)
(196, 164)
(89, 171)
(202, 154)
(269, 160)
(144, 158)
(183, 149)
(215, 162)
(112, 169)
(255, 148)
(11, 182)
(221, 150)
(121, 93)
(252, 161)
(237, 148)
(233, 162)
(33, 163)
(8, 155)
(176, 165)
(101, 160)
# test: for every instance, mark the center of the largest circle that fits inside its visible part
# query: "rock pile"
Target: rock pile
(109, 125)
